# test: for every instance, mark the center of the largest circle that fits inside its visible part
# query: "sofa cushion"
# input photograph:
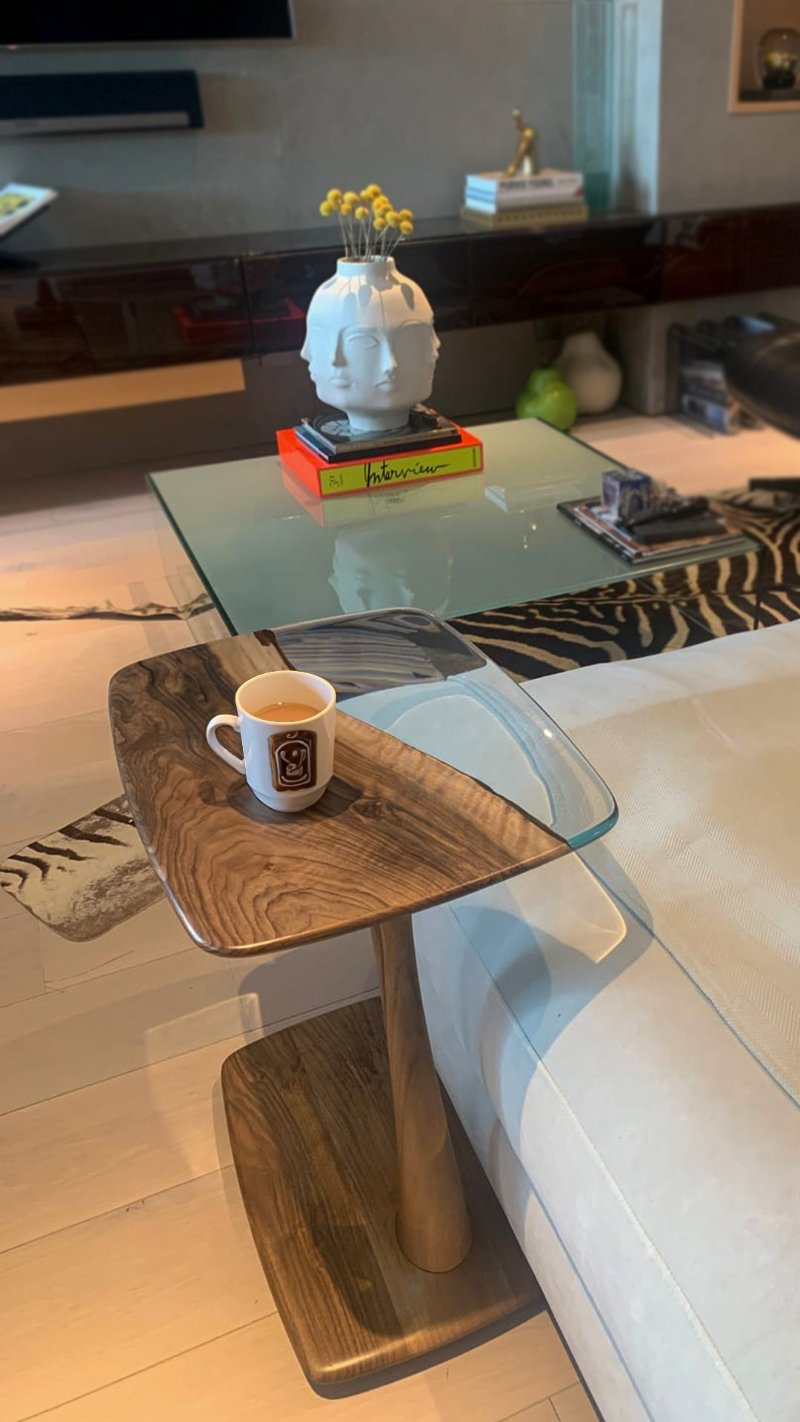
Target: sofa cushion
(665, 1157)
(702, 750)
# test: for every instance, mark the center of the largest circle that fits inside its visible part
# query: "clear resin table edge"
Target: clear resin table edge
(574, 801)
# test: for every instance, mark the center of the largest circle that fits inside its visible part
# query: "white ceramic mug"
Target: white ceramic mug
(287, 764)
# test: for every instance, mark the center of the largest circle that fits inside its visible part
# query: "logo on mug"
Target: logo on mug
(294, 759)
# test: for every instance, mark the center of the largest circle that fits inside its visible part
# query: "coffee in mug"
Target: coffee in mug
(287, 722)
(286, 711)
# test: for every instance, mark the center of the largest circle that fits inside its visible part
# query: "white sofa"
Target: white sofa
(647, 1159)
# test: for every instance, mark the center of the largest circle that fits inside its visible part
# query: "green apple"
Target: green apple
(555, 404)
(541, 377)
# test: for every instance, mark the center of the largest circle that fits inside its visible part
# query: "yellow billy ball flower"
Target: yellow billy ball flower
(393, 218)
(351, 197)
(346, 209)
(327, 208)
(335, 196)
(381, 204)
(373, 190)
(365, 194)
(362, 213)
(406, 228)
(406, 215)
(379, 224)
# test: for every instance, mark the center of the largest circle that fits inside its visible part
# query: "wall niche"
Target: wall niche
(765, 57)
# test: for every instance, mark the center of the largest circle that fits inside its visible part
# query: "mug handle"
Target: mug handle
(218, 749)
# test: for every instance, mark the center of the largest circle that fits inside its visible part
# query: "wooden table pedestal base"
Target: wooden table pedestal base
(311, 1120)
(379, 1234)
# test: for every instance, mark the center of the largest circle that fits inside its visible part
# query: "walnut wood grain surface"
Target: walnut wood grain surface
(396, 831)
(433, 1228)
(310, 1120)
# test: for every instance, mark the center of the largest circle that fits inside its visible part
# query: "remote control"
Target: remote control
(667, 508)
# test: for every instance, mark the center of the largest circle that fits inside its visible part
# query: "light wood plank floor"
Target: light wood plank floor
(129, 1286)
(695, 460)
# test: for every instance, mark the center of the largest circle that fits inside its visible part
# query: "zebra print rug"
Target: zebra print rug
(642, 617)
(607, 624)
(87, 878)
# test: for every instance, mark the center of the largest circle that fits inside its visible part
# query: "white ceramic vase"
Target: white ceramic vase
(370, 344)
(593, 375)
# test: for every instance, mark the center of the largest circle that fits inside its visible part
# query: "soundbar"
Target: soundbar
(99, 103)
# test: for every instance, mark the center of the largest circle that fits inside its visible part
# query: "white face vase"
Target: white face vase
(370, 344)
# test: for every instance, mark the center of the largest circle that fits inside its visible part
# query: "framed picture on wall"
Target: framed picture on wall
(765, 57)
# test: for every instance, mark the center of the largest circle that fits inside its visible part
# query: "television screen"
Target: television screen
(105, 22)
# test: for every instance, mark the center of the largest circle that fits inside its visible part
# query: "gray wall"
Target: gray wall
(411, 95)
(709, 157)
(678, 147)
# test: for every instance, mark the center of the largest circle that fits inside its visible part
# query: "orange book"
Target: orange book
(382, 471)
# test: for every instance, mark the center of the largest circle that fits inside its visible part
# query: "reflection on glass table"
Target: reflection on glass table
(372, 568)
(270, 553)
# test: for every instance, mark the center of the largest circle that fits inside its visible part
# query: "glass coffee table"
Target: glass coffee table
(379, 1233)
(269, 553)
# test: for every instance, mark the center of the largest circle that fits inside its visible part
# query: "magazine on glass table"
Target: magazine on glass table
(19, 202)
(589, 513)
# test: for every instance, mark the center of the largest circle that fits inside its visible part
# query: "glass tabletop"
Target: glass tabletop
(269, 552)
(407, 673)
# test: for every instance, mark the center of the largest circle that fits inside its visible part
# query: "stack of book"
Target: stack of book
(544, 199)
(591, 514)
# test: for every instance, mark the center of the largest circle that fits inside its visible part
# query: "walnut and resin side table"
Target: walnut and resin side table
(379, 1233)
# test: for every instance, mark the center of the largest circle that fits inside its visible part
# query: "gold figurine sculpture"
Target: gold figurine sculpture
(526, 158)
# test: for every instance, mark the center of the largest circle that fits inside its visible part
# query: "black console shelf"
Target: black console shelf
(87, 311)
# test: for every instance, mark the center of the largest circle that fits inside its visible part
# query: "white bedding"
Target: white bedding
(653, 1170)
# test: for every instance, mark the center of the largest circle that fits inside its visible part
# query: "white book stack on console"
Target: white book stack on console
(527, 199)
(494, 192)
